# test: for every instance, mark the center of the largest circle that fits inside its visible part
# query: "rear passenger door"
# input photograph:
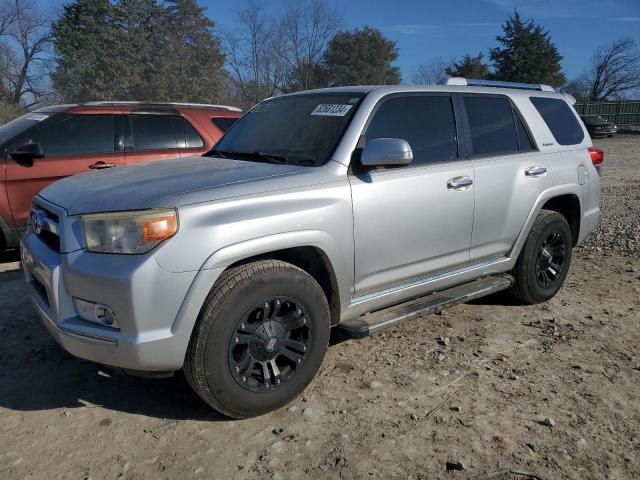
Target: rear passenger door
(155, 136)
(414, 220)
(510, 173)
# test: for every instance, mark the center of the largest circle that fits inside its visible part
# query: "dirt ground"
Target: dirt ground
(550, 391)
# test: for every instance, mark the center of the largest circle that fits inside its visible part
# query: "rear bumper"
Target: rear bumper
(155, 309)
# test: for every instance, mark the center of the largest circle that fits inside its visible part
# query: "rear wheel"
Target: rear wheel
(259, 340)
(544, 261)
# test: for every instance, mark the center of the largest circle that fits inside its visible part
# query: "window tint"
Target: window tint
(193, 138)
(426, 122)
(223, 123)
(73, 134)
(524, 142)
(155, 132)
(304, 128)
(560, 119)
(493, 130)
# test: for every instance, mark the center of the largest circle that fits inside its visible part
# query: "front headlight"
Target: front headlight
(128, 232)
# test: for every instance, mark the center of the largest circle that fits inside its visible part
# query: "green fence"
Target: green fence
(621, 113)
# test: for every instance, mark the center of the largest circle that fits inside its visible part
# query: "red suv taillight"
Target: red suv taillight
(597, 155)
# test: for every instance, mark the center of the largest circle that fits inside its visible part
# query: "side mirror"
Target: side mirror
(27, 153)
(386, 151)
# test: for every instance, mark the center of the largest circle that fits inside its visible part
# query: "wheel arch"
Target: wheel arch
(562, 199)
(567, 205)
(313, 261)
(314, 251)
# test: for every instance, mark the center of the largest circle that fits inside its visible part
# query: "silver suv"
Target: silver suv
(346, 208)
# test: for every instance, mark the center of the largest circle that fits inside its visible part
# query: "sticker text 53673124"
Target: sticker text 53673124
(331, 110)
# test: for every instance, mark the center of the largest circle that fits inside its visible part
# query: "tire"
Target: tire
(269, 314)
(538, 275)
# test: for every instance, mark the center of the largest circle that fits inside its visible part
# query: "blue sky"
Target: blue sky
(424, 29)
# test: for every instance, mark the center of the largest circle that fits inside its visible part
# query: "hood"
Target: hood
(142, 186)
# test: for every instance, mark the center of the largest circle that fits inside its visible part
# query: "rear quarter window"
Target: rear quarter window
(560, 119)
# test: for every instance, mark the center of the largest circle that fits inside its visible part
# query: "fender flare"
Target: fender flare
(544, 197)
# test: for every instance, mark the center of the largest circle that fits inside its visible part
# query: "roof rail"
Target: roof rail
(163, 104)
(495, 83)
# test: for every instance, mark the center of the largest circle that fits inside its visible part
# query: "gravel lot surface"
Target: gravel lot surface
(551, 390)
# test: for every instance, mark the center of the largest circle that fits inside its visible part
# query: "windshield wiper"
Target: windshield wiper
(259, 156)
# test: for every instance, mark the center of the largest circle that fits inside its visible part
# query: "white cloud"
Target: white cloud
(416, 28)
(627, 19)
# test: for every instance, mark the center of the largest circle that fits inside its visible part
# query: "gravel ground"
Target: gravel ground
(619, 229)
(550, 390)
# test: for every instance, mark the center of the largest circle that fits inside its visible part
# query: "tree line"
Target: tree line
(169, 50)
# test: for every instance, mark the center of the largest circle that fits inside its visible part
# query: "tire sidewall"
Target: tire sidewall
(550, 224)
(239, 300)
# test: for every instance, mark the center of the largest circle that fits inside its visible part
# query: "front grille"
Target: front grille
(46, 225)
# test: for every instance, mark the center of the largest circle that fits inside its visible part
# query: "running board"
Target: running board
(375, 321)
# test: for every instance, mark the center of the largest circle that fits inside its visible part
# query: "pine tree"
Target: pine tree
(526, 54)
(470, 67)
(137, 50)
(361, 57)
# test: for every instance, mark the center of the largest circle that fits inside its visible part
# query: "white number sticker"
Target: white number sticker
(331, 110)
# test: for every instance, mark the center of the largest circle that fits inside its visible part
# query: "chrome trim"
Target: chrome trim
(425, 280)
(496, 287)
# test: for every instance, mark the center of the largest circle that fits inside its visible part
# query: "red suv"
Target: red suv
(55, 142)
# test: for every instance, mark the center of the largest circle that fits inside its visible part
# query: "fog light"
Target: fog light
(96, 313)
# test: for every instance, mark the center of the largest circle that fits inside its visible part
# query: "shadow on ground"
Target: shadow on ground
(37, 374)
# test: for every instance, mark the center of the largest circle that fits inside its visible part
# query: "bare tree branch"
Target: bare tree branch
(431, 72)
(25, 38)
(255, 54)
(614, 71)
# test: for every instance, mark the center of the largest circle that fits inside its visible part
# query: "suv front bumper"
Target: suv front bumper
(155, 309)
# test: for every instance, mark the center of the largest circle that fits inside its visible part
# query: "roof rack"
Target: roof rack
(163, 104)
(496, 84)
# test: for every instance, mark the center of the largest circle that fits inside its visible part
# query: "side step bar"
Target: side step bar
(372, 322)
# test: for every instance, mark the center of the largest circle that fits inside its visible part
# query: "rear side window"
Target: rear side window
(224, 123)
(156, 132)
(426, 122)
(192, 137)
(70, 134)
(560, 119)
(492, 125)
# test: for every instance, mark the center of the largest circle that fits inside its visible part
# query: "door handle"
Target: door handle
(459, 183)
(536, 171)
(100, 165)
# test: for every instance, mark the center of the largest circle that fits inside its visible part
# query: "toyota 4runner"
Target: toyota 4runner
(347, 208)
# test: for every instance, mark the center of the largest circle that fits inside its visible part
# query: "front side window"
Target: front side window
(69, 134)
(427, 122)
(560, 119)
(491, 124)
(299, 129)
(20, 125)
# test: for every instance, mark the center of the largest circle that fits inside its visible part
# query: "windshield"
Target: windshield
(298, 129)
(20, 124)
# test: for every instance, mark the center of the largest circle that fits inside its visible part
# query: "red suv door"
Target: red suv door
(72, 143)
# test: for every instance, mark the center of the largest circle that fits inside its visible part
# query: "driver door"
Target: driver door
(415, 220)
(72, 144)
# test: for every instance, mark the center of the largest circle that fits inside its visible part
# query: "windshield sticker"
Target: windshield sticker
(353, 100)
(37, 117)
(331, 110)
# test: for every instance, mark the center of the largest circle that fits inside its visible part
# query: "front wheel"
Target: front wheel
(544, 261)
(260, 338)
